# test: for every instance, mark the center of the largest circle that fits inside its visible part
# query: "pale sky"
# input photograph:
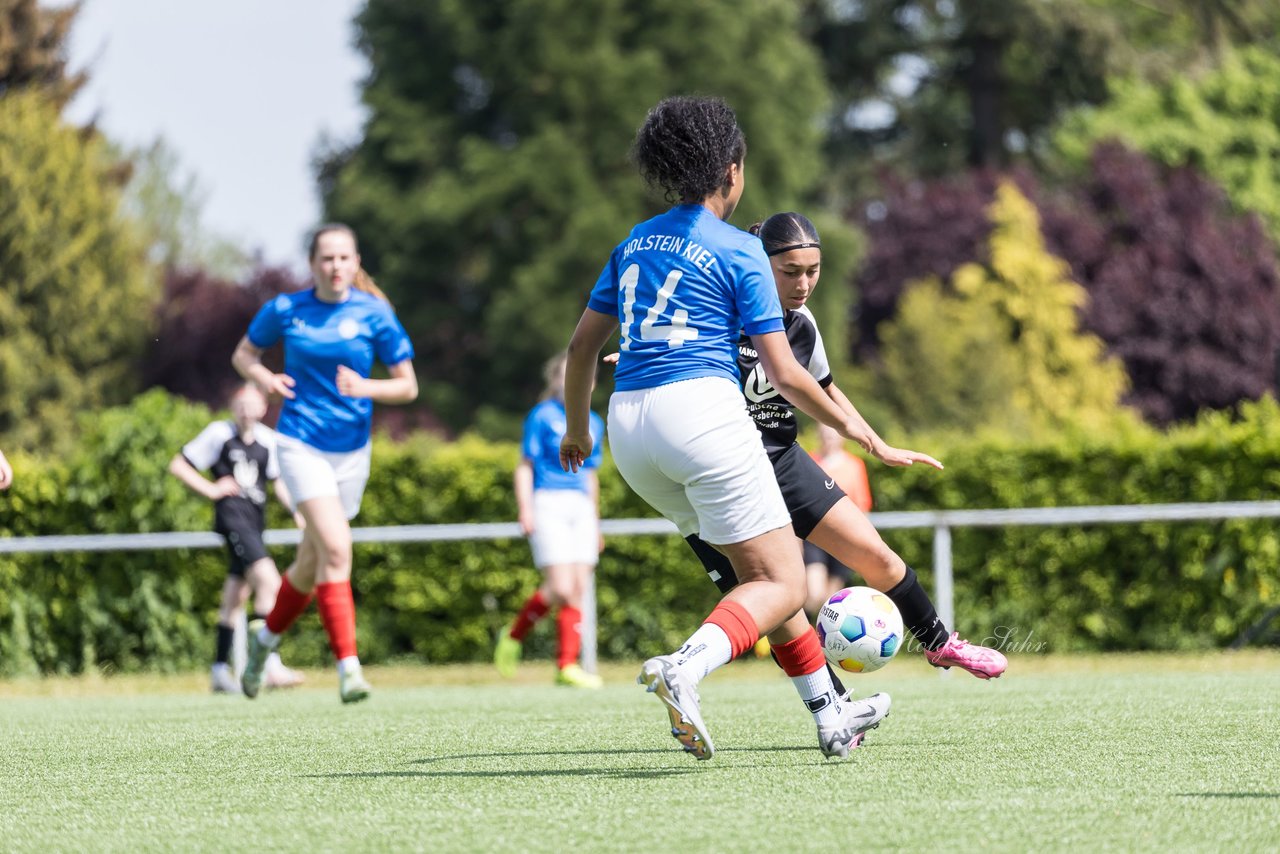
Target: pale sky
(241, 90)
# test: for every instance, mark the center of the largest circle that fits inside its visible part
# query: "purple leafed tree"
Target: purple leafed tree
(1185, 291)
(917, 229)
(199, 322)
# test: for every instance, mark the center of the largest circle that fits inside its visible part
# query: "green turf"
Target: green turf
(1125, 753)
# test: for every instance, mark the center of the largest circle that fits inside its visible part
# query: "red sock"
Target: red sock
(289, 606)
(801, 656)
(569, 621)
(338, 613)
(734, 620)
(535, 608)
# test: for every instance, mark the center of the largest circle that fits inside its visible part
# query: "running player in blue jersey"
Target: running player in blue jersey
(240, 454)
(559, 513)
(820, 511)
(331, 333)
(682, 287)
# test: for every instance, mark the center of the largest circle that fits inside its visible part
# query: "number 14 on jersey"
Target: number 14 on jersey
(674, 328)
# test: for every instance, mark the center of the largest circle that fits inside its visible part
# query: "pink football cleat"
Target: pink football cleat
(981, 661)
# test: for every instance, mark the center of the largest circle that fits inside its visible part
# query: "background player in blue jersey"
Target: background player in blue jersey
(240, 453)
(820, 511)
(681, 288)
(559, 513)
(331, 333)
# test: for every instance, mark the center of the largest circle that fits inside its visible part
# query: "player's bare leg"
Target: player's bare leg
(848, 534)
(770, 591)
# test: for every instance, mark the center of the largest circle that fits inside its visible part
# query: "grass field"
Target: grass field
(1112, 753)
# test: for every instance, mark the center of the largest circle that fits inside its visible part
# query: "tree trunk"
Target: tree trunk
(986, 89)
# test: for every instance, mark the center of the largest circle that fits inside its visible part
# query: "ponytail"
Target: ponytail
(364, 282)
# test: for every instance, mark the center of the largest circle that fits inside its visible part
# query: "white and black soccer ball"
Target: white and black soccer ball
(860, 629)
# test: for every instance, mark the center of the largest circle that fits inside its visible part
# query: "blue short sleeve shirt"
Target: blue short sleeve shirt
(684, 286)
(319, 336)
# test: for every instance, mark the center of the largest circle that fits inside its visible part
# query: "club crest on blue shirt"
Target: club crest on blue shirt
(349, 328)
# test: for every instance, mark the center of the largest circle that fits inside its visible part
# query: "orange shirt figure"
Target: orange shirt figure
(848, 470)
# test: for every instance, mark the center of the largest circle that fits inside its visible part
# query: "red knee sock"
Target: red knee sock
(735, 622)
(338, 613)
(569, 621)
(535, 608)
(289, 606)
(801, 656)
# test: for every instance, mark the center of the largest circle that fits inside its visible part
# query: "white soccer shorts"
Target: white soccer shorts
(693, 453)
(566, 529)
(309, 472)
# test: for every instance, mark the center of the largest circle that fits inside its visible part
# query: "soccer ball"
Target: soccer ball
(860, 629)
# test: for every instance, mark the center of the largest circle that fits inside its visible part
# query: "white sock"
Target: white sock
(346, 665)
(704, 651)
(819, 695)
(221, 666)
(268, 638)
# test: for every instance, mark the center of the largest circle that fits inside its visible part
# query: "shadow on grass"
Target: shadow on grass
(607, 773)
(512, 754)
(1228, 795)
(462, 757)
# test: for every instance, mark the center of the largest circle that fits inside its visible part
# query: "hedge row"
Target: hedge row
(1107, 587)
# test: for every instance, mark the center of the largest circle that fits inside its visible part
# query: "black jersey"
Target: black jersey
(774, 415)
(220, 450)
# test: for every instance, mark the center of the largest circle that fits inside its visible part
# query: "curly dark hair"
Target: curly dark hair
(686, 144)
(784, 231)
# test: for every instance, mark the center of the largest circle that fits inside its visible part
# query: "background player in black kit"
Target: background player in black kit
(241, 457)
(820, 511)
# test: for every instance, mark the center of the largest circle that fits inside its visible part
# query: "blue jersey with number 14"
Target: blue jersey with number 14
(684, 285)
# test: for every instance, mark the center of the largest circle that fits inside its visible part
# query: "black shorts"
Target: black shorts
(242, 528)
(835, 569)
(809, 493)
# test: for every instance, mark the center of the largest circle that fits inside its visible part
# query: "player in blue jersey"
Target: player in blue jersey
(240, 454)
(331, 333)
(681, 287)
(820, 511)
(559, 513)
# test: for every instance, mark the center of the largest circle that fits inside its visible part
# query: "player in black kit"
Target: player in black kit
(820, 511)
(240, 455)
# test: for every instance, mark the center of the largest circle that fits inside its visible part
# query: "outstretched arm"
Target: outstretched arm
(885, 453)
(802, 390)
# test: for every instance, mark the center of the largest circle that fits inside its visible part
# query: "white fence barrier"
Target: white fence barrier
(941, 521)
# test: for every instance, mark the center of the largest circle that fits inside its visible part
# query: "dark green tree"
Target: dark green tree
(930, 87)
(492, 178)
(33, 50)
(933, 86)
(1222, 123)
(75, 293)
